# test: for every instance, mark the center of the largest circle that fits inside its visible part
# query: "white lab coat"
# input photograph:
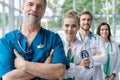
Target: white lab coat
(79, 72)
(96, 44)
(114, 59)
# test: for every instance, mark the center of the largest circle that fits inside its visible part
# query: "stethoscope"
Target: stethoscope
(111, 46)
(40, 46)
(19, 44)
(84, 49)
(90, 36)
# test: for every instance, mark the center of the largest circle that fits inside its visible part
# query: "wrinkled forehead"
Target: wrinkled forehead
(36, 1)
(39, 1)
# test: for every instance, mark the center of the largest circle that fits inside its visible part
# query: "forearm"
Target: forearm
(74, 71)
(17, 74)
(82, 72)
(47, 71)
(99, 60)
(78, 71)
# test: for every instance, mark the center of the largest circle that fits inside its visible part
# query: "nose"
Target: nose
(70, 28)
(86, 21)
(34, 8)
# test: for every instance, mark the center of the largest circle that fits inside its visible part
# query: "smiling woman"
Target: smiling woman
(111, 67)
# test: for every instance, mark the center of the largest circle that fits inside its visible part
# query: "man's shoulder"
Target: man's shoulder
(49, 33)
(10, 35)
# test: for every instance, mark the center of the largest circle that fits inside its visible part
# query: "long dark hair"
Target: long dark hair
(99, 27)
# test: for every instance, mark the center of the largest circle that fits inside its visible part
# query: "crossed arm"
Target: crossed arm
(26, 70)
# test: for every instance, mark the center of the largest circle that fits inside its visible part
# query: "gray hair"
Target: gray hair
(45, 3)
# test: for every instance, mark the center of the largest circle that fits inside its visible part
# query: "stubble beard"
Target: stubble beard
(85, 29)
(31, 19)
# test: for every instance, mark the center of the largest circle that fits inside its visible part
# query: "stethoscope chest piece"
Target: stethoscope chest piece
(40, 46)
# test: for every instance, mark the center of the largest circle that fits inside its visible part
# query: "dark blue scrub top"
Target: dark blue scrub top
(44, 37)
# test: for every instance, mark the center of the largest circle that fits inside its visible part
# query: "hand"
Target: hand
(19, 61)
(48, 60)
(106, 78)
(84, 62)
(112, 77)
(98, 53)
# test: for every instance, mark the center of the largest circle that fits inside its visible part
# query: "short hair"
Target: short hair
(85, 12)
(45, 3)
(71, 14)
(99, 27)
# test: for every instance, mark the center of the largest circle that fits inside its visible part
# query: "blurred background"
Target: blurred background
(102, 10)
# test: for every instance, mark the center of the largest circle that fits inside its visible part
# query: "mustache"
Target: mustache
(33, 13)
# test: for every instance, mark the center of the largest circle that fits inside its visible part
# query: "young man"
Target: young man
(31, 45)
(93, 42)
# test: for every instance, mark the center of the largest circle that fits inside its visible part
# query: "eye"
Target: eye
(83, 19)
(40, 6)
(89, 19)
(74, 25)
(102, 29)
(106, 29)
(30, 4)
(66, 25)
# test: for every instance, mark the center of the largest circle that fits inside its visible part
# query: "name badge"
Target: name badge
(84, 54)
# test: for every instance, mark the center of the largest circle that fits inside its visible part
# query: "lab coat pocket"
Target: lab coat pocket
(77, 59)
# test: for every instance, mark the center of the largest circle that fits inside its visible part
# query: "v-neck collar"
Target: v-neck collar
(23, 39)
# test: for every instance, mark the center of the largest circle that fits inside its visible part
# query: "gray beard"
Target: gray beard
(32, 21)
